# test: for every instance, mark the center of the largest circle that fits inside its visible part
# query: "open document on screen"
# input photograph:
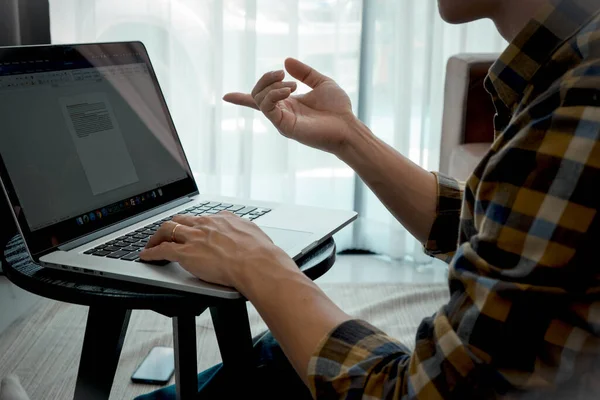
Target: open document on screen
(76, 140)
(99, 142)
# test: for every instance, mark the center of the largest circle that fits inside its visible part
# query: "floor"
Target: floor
(14, 302)
(44, 346)
(370, 269)
(35, 360)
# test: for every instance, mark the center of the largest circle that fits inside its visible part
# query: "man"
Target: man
(524, 313)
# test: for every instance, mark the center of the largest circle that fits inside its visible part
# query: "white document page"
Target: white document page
(99, 142)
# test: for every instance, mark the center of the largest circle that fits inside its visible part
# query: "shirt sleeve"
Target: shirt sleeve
(523, 311)
(443, 237)
(357, 358)
(358, 361)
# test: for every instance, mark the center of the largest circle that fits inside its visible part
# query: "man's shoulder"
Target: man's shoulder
(582, 48)
(587, 38)
(571, 76)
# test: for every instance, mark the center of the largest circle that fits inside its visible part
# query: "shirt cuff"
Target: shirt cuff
(443, 237)
(346, 355)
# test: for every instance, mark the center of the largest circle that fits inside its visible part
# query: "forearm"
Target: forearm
(296, 311)
(407, 190)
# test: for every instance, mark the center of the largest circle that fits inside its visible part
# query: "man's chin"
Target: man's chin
(455, 20)
(459, 12)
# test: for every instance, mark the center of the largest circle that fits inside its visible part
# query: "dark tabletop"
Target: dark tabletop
(87, 290)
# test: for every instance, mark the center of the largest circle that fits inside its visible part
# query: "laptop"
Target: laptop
(92, 165)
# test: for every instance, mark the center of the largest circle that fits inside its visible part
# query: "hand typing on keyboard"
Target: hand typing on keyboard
(129, 246)
(220, 249)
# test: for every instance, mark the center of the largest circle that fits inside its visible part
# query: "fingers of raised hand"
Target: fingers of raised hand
(266, 80)
(305, 73)
(260, 97)
(241, 99)
(269, 105)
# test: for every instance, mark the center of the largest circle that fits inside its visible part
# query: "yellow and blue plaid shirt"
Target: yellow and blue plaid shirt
(524, 311)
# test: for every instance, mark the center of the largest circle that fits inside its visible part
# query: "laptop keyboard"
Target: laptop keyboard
(129, 246)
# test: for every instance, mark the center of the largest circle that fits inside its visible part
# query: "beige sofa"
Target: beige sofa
(467, 128)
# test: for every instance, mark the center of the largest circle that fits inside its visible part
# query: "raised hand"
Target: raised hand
(321, 118)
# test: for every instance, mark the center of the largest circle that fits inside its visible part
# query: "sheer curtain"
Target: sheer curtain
(394, 50)
(406, 48)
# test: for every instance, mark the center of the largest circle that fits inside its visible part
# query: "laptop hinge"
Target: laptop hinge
(123, 224)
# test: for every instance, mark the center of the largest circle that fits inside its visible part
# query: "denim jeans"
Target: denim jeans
(274, 377)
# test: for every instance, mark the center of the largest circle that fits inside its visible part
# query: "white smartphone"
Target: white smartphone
(157, 368)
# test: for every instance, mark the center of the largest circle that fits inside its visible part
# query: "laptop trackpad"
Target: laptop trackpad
(285, 238)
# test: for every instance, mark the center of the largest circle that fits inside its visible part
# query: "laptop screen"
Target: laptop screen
(86, 139)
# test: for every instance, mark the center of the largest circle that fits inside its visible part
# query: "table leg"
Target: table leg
(186, 362)
(104, 335)
(235, 344)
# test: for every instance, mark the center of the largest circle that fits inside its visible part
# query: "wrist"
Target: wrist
(358, 137)
(264, 270)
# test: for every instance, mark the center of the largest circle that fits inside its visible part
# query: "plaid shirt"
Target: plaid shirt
(524, 311)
